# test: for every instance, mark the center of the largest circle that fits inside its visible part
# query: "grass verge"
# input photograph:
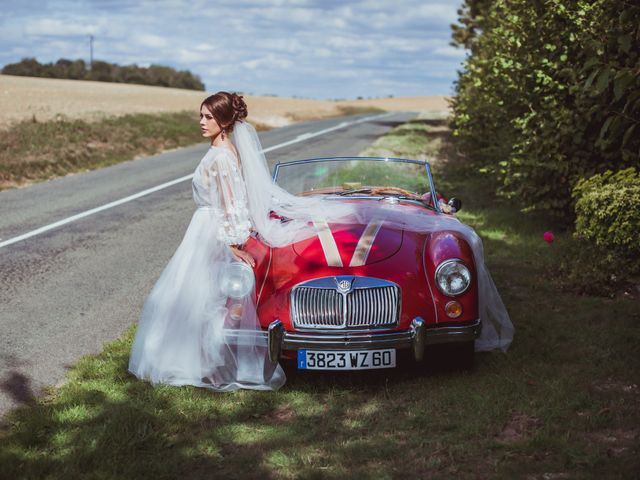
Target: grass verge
(33, 151)
(341, 111)
(563, 403)
(357, 110)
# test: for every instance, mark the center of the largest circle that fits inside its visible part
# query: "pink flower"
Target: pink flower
(548, 237)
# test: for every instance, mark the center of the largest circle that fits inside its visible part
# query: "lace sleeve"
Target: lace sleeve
(230, 202)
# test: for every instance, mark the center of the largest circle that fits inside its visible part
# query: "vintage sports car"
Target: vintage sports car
(354, 295)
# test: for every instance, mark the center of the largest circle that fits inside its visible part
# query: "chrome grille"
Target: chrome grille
(372, 306)
(316, 306)
(370, 302)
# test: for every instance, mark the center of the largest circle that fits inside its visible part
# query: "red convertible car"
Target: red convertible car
(352, 296)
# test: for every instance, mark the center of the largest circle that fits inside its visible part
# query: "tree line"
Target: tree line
(547, 106)
(157, 75)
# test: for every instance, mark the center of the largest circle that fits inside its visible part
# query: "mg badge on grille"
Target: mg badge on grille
(344, 286)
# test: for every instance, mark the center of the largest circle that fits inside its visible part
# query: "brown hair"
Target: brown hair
(226, 108)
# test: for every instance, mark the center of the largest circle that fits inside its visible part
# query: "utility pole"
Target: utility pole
(90, 52)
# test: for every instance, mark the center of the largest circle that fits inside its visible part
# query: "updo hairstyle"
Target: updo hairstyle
(227, 108)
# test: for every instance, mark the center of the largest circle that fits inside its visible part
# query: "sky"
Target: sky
(324, 49)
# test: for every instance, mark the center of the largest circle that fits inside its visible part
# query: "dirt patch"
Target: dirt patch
(617, 441)
(519, 427)
(282, 414)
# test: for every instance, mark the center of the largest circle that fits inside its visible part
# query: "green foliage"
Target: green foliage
(608, 211)
(471, 19)
(607, 225)
(550, 94)
(594, 270)
(106, 72)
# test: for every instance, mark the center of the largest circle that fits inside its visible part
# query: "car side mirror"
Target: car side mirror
(455, 203)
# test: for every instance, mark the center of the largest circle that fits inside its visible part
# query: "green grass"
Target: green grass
(33, 151)
(358, 110)
(381, 174)
(563, 401)
(341, 110)
(420, 140)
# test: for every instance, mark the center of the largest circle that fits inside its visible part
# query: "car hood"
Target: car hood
(351, 245)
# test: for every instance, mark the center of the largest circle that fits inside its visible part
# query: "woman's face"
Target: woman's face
(208, 125)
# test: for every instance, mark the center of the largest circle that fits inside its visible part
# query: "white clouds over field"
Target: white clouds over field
(310, 48)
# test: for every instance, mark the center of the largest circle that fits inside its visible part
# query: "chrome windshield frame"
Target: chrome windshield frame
(426, 164)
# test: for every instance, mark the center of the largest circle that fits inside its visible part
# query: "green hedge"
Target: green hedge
(549, 95)
(604, 257)
(608, 211)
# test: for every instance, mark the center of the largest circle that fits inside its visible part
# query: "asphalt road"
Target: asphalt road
(66, 292)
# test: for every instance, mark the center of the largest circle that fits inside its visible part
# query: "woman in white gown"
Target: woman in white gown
(180, 338)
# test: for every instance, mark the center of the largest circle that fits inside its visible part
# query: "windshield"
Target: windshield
(345, 176)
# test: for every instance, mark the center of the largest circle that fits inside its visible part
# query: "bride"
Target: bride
(180, 337)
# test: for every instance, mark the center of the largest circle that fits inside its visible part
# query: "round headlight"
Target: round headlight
(453, 278)
(237, 280)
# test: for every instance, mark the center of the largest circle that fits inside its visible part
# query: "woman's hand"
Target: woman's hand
(242, 255)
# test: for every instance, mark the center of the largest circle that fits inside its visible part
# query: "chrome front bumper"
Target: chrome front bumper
(276, 338)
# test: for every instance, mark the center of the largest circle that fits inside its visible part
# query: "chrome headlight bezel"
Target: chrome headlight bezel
(448, 267)
(237, 280)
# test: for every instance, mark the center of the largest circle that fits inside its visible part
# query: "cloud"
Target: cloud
(316, 48)
(58, 28)
(149, 40)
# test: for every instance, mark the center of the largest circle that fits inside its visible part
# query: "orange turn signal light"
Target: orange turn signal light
(235, 311)
(453, 309)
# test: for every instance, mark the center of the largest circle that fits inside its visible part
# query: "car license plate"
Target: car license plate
(346, 359)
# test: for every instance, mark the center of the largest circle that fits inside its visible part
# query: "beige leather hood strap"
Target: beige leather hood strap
(328, 243)
(366, 242)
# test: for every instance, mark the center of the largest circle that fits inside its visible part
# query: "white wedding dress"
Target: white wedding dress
(180, 338)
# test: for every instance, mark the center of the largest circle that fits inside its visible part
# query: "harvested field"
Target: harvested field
(45, 98)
